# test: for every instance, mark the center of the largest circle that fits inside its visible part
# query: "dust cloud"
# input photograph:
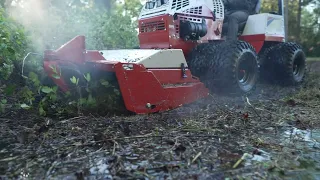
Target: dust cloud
(50, 23)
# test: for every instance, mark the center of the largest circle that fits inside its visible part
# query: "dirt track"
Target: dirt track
(199, 141)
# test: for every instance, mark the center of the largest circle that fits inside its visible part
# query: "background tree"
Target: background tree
(48, 24)
(13, 45)
(303, 26)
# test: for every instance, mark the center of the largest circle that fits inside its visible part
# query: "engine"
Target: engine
(179, 24)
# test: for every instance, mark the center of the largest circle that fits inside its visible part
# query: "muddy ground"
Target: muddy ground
(277, 129)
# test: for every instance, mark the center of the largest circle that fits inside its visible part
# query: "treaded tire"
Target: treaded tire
(228, 59)
(198, 59)
(284, 64)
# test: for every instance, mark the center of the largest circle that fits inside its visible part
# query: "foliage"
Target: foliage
(310, 30)
(48, 25)
(87, 94)
(63, 20)
(130, 7)
(307, 32)
(13, 44)
(113, 32)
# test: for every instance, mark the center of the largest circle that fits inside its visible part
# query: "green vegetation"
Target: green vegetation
(13, 45)
(313, 59)
(303, 24)
(105, 27)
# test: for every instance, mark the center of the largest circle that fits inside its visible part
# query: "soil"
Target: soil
(203, 140)
(314, 66)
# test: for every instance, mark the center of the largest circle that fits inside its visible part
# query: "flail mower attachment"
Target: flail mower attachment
(148, 80)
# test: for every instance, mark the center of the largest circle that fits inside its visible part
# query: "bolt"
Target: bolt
(148, 105)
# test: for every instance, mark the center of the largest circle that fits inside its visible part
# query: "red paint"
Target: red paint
(156, 38)
(163, 31)
(163, 39)
(250, 38)
(258, 40)
(257, 45)
(73, 50)
(164, 88)
(141, 86)
(261, 37)
(48, 67)
(172, 76)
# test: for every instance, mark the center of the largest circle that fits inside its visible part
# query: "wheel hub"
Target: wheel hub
(295, 69)
(243, 76)
(298, 67)
(246, 72)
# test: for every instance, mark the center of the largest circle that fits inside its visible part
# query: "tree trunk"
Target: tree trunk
(286, 18)
(299, 21)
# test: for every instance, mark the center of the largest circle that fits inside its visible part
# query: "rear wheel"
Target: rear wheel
(284, 63)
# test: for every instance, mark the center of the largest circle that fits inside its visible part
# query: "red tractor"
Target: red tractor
(183, 56)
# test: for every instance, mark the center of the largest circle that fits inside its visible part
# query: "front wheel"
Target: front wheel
(234, 68)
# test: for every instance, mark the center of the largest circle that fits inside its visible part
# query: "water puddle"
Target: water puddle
(299, 157)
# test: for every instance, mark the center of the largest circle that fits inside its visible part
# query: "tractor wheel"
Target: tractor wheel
(197, 61)
(268, 64)
(284, 63)
(234, 68)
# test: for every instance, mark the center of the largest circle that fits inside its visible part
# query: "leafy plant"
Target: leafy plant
(13, 44)
(103, 30)
(3, 103)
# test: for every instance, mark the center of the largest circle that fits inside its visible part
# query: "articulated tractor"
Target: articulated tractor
(183, 56)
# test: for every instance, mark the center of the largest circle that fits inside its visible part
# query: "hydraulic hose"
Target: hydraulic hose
(30, 53)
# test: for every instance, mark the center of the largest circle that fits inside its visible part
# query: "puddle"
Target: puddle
(312, 136)
(300, 154)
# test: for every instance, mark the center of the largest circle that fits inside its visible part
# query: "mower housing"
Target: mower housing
(150, 80)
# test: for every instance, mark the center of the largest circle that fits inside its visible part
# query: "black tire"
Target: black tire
(228, 59)
(47, 81)
(284, 64)
(198, 59)
(268, 64)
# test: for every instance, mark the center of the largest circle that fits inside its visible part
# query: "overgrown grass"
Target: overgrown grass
(311, 89)
(313, 58)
